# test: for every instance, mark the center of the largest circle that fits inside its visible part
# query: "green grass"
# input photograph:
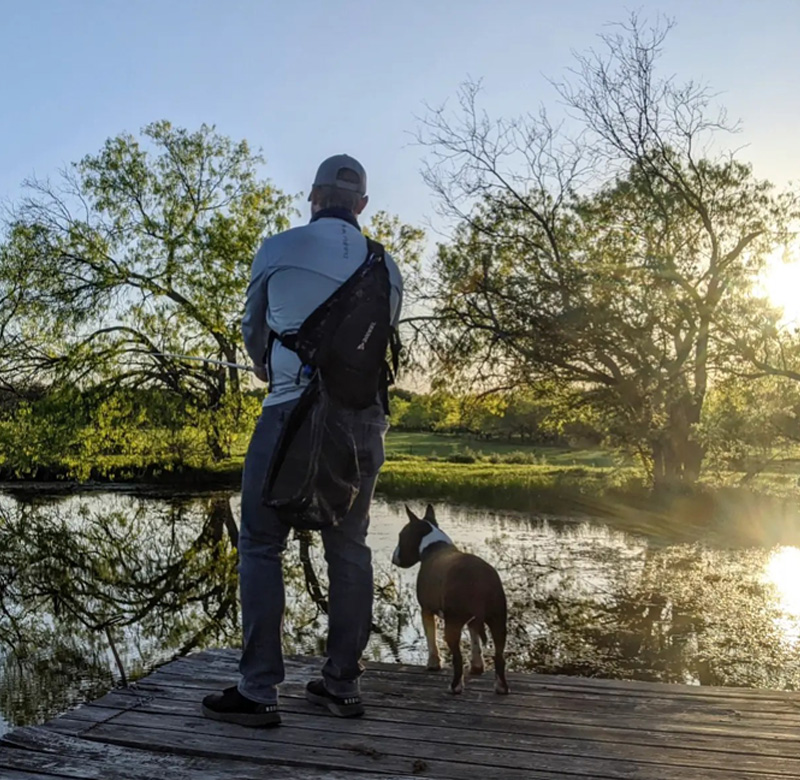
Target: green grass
(439, 445)
(500, 485)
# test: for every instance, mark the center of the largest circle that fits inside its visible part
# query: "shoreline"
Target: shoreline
(722, 514)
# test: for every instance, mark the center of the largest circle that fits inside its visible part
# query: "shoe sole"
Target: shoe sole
(259, 719)
(340, 710)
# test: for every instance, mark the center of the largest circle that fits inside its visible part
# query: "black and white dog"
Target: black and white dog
(459, 587)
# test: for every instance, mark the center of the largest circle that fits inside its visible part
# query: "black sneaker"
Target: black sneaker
(343, 706)
(232, 707)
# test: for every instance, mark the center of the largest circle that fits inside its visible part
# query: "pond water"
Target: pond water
(99, 587)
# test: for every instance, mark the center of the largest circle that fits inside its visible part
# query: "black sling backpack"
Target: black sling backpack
(313, 477)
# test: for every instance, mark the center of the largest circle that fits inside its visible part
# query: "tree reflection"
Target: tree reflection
(682, 614)
(141, 582)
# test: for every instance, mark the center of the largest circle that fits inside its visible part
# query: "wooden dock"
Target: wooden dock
(549, 727)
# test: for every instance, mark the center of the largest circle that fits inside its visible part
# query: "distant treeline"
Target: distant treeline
(524, 416)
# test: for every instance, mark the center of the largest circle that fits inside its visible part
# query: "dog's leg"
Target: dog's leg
(476, 633)
(429, 624)
(452, 635)
(497, 625)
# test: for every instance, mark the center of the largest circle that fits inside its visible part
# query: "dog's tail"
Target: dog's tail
(476, 623)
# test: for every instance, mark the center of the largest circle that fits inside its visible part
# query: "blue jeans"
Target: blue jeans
(262, 541)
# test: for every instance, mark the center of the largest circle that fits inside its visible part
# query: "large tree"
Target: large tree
(609, 260)
(139, 251)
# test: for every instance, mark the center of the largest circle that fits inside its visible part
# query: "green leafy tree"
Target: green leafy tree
(750, 424)
(142, 250)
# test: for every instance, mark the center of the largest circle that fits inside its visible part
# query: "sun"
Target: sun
(780, 282)
(783, 573)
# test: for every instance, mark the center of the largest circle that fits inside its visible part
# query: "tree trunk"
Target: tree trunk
(233, 373)
(677, 457)
(658, 463)
(218, 452)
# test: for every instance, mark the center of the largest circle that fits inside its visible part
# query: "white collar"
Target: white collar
(432, 537)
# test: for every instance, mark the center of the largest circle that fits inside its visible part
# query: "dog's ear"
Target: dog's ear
(430, 516)
(411, 516)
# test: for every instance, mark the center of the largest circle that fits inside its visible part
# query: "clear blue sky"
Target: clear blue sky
(305, 78)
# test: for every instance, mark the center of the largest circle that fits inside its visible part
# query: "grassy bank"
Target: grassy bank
(524, 487)
(400, 444)
(536, 480)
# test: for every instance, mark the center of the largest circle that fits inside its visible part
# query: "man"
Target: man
(293, 272)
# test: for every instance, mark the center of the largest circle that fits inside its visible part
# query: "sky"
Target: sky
(303, 79)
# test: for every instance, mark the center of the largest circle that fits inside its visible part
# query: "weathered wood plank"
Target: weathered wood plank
(93, 712)
(613, 701)
(412, 708)
(524, 678)
(428, 725)
(688, 694)
(366, 756)
(15, 774)
(67, 726)
(552, 754)
(493, 716)
(779, 701)
(479, 693)
(355, 755)
(37, 750)
(231, 656)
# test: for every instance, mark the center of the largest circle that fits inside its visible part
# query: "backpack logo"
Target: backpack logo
(362, 346)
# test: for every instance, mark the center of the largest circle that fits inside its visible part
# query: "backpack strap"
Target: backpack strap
(268, 357)
(289, 340)
(390, 369)
(375, 249)
(395, 348)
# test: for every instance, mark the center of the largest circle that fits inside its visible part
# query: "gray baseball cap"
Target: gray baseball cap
(328, 174)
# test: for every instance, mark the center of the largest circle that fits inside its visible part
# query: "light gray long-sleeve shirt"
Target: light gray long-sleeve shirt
(294, 272)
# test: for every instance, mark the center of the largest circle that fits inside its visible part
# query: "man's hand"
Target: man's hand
(261, 373)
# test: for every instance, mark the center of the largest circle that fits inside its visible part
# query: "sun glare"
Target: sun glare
(781, 284)
(783, 572)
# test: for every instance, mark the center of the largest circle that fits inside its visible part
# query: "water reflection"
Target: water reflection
(97, 588)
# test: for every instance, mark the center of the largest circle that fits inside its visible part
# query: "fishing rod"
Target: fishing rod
(225, 363)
